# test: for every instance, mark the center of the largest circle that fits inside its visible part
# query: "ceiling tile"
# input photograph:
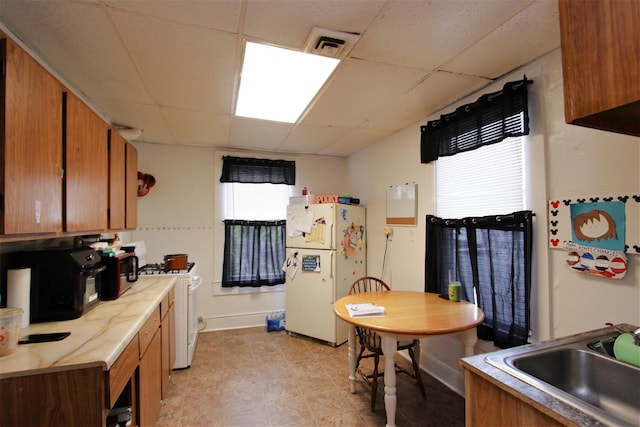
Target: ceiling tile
(288, 23)
(354, 141)
(257, 134)
(359, 88)
(435, 92)
(539, 22)
(425, 34)
(183, 66)
(311, 139)
(219, 14)
(197, 127)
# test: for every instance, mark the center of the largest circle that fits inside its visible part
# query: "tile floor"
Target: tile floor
(250, 377)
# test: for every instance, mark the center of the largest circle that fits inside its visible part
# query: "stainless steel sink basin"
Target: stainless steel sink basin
(578, 371)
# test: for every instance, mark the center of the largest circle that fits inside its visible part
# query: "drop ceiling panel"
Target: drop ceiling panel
(219, 14)
(289, 23)
(197, 127)
(434, 93)
(94, 66)
(425, 34)
(311, 139)
(142, 116)
(354, 141)
(183, 66)
(539, 21)
(358, 89)
(257, 134)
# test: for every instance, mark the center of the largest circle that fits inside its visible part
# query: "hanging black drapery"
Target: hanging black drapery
(254, 253)
(258, 171)
(492, 255)
(492, 118)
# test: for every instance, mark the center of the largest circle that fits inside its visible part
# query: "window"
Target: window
(256, 193)
(482, 234)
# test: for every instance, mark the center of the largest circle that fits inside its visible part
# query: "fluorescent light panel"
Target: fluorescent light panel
(277, 84)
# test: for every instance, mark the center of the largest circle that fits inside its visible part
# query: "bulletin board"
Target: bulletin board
(402, 205)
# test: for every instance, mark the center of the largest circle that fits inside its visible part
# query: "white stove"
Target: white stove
(186, 317)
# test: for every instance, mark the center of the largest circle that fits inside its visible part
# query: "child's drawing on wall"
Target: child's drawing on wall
(599, 225)
(352, 242)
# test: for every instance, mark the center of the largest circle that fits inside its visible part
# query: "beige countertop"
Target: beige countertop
(97, 338)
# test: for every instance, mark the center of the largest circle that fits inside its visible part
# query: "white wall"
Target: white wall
(182, 214)
(567, 160)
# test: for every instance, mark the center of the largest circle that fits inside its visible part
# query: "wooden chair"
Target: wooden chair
(372, 342)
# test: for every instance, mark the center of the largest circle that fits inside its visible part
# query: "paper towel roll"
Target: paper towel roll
(19, 292)
(624, 349)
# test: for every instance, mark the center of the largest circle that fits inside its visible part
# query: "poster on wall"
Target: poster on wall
(598, 232)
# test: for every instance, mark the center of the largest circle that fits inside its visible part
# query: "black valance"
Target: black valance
(492, 118)
(258, 171)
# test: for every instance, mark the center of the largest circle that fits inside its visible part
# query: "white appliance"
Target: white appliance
(186, 304)
(323, 263)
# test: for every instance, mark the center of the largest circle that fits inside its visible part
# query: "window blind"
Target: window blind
(487, 181)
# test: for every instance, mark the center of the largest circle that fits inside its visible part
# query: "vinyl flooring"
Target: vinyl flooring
(250, 377)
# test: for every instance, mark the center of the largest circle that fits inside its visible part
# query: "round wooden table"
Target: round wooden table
(408, 315)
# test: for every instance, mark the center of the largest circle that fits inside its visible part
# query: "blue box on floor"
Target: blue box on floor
(275, 321)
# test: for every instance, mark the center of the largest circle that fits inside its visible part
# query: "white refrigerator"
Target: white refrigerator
(326, 253)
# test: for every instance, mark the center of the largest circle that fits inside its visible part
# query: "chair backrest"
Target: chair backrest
(368, 284)
(369, 338)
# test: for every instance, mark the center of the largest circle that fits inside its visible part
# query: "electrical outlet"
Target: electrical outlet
(387, 231)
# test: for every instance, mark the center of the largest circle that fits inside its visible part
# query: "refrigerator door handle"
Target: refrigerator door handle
(333, 264)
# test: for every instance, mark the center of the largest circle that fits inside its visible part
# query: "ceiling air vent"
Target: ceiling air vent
(334, 44)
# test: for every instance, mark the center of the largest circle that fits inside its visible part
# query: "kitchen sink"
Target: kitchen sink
(581, 371)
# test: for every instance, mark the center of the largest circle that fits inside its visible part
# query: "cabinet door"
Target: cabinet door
(30, 135)
(86, 172)
(131, 204)
(601, 63)
(149, 380)
(116, 180)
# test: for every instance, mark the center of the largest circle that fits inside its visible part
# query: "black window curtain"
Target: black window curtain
(258, 171)
(254, 253)
(492, 118)
(491, 255)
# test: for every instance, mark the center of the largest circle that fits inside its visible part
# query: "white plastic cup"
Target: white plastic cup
(10, 319)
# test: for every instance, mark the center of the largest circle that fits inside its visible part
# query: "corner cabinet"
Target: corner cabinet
(600, 45)
(31, 164)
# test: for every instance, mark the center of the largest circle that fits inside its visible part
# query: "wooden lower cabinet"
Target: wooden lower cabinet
(150, 383)
(488, 405)
(66, 398)
(84, 397)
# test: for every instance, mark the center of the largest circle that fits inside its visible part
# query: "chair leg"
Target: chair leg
(416, 372)
(374, 381)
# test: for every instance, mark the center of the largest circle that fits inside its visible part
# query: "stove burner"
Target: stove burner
(158, 269)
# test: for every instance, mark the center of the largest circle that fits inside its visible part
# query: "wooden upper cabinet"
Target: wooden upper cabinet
(116, 180)
(131, 205)
(30, 145)
(601, 63)
(87, 167)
